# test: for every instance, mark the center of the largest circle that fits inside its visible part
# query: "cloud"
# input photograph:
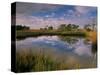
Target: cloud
(38, 15)
(83, 50)
(29, 8)
(50, 15)
(82, 10)
(85, 10)
(38, 22)
(35, 22)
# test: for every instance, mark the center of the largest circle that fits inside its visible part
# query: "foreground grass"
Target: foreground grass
(27, 61)
(39, 60)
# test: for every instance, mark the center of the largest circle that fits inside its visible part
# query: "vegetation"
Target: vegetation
(29, 60)
(20, 27)
(63, 29)
(40, 60)
(69, 27)
(23, 34)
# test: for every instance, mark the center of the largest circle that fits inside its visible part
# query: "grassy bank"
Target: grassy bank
(23, 34)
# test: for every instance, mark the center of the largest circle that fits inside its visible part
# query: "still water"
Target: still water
(74, 49)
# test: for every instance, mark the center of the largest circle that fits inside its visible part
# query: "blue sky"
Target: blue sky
(38, 15)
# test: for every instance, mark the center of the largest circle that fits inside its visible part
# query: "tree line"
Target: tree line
(62, 27)
(71, 27)
(20, 27)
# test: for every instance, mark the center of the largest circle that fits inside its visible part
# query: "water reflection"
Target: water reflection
(87, 41)
(80, 46)
(76, 48)
(69, 40)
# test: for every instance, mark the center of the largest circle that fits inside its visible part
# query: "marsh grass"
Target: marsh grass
(41, 59)
(23, 34)
(29, 60)
(92, 36)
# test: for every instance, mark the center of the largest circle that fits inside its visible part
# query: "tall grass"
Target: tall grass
(29, 60)
(92, 36)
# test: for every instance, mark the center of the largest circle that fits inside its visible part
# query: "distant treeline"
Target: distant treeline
(71, 27)
(20, 27)
(61, 27)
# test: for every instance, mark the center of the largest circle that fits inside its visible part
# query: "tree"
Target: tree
(87, 27)
(20, 27)
(94, 24)
(69, 27)
(75, 27)
(45, 28)
(62, 27)
(50, 28)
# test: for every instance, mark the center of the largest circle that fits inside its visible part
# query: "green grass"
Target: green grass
(23, 34)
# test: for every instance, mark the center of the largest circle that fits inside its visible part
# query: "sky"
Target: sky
(36, 15)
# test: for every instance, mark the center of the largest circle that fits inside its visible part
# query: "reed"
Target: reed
(31, 61)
